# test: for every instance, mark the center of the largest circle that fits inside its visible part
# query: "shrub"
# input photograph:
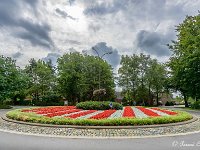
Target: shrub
(96, 105)
(8, 102)
(169, 103)
(3, 106)
(196, 105)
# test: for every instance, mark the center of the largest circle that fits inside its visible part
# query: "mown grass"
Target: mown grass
(34, 118)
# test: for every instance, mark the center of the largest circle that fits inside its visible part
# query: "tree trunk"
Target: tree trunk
(185, 100)
(157, 98)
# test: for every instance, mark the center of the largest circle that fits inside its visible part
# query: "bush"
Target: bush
(96, 105)
(169, 103)
(3, 106)
(8, 102)
(196, 105)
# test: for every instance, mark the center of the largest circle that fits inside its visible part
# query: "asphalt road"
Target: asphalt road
(9, 141)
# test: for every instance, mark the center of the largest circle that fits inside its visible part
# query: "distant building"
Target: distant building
(164, 97)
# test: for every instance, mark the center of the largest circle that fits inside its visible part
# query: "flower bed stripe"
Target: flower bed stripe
(139, 113)
(90, 115)
(61, 113)
(128, 112)
(158, 112)
(81, 114)
(117, 114)
(148, 112)
(104, 114)
(49, 109)
(165, 111)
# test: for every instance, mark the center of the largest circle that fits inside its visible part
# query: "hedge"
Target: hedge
(97, 105)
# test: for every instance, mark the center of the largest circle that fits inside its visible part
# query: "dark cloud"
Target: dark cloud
(11, 15)
(153, 43)
(102, 48)
(64, 14)
(52, 57)
(95, 8)
(17, 55)
(71, 2)
(159, 9)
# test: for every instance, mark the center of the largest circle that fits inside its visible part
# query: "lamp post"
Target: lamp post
(100, 57)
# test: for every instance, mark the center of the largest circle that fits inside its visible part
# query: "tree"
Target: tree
(12, 79)
(141, 77)
(78, 76)
(128, 76)
(157, 76)
(42, 78)
(185, 61)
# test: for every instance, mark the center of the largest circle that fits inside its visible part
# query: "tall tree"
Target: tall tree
(185, 61)
(78, 76)
(141, 77)
(128, 76)
(12, 78)
(42, 78)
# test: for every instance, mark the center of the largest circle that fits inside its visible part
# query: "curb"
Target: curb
(100, 127)
(99, 138)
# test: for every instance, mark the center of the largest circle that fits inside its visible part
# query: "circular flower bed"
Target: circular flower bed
(71, 115)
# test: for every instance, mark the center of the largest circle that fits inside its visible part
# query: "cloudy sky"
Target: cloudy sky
(46, 29)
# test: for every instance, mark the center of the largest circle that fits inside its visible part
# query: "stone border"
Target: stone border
(101, 127)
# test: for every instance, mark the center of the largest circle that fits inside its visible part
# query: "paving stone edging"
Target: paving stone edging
(101, 127)
(67, 132)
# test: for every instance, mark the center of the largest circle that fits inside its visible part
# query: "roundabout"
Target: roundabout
(70, 122)
(42, 137)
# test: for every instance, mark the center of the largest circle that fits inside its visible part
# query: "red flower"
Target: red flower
(104, 114)
(148, 112)
(53, 114)
(165, 111)
(128, 112)
(81, 114)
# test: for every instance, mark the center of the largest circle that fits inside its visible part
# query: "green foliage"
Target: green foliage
(49, 100)
(12, 79)
(31, 117)
(78, 77)
(3, 106)
(96, 105)
(184, 63)
(141, 78)
(196, 105)
(99, 94)
(42, 78)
